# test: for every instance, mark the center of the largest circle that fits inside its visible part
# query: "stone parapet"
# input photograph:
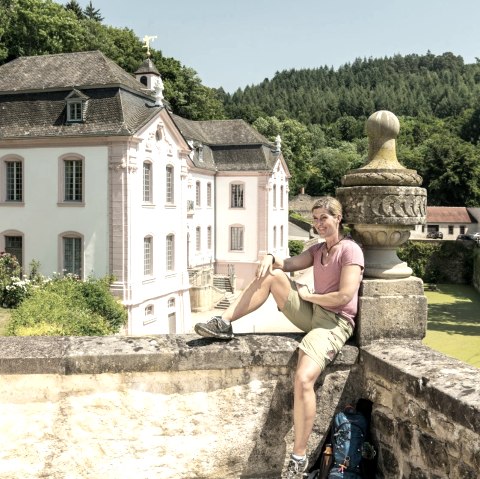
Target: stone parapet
(426, 411)
(163, 407)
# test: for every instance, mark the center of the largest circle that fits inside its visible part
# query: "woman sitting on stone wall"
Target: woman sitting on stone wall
(327, 315)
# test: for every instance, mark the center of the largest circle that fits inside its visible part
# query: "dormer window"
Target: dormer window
(76, 106)
(74, 111)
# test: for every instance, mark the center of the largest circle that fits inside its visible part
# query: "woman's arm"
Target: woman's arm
(350, 278)
(295, 263)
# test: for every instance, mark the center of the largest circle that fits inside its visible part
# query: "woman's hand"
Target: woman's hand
(265, 266)
(304, 292)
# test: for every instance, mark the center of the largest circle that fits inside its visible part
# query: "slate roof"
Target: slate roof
(229, 145)
(64, 71)
(448, 214)
(33, 91)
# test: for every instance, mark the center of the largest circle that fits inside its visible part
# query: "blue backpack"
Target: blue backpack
(349, 431)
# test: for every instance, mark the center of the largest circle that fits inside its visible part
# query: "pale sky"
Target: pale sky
(235, 43)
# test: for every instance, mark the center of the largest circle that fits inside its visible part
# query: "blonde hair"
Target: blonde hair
(331, 204)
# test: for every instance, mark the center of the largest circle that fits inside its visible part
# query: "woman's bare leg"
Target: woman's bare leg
(305, 404)
(257, 292)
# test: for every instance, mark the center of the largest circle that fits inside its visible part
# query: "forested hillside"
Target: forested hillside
(319, 113)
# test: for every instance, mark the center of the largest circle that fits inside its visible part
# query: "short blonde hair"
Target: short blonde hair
(331, 204)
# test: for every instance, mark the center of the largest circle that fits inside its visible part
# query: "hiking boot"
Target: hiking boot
(215, 328)
(296, 468)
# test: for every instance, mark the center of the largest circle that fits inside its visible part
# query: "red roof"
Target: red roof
(448, 214)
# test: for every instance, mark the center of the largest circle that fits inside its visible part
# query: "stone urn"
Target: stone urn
(382, 200)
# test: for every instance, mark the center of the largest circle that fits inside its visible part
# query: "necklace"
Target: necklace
(334, 244)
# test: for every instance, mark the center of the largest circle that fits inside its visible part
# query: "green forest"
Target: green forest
(319, 113)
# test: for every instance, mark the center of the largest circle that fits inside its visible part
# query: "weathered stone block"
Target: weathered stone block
(395, 309)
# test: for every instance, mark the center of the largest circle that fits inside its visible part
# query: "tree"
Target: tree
(451, 171)
(75, 7)
(37, 27)
(92, 13)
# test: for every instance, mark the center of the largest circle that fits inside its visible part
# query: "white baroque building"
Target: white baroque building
(97, 177)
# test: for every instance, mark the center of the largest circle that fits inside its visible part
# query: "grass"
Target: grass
(454, 322)
(4, 317)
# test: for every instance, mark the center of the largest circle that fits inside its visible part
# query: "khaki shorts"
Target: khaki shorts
(326, 331)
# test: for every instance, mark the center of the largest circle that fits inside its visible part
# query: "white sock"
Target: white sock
(299, 458)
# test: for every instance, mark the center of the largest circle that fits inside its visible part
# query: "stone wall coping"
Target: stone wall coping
(121, 354)
(450, 386)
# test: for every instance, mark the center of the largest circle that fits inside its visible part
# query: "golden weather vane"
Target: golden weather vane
(147, 41)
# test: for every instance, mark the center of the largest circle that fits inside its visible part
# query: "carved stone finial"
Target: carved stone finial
(382, 200)
(383, 167)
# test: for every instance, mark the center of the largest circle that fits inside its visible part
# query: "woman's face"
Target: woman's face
(325, 223)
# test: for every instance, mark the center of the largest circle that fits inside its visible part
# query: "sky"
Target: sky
(235, 43)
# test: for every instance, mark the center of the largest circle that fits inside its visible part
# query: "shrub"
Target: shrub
(10, 271)
(68, 307)
(295, 247)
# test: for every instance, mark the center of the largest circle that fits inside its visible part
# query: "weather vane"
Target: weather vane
(147, 41)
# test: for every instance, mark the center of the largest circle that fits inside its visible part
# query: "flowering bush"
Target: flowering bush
(16, 292)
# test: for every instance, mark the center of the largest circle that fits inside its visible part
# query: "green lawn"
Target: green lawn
(4, 317)
(454, 322)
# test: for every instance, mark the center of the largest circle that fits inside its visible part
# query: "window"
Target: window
(462, 230)
(76, 103)
(171, 303)
(274, 237)
(14, 246)
(198, 238)
(73, 180)
(144, 80)
(170, 252)
(197, 194)
(72, 255)
(172, 323)
(236, 195)
(169, 178)
(209, 237)
(147, 182)
(74, 111)
(236, 238)
(209, 194)
(274, 196)
(281, 197)
(450, 229)
(14, 180)
(148, 256)
(281, 236)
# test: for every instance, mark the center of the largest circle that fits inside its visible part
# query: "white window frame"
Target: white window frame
(198, 239)
(198, 194)
(74, 194)
(237, 238)
(76, 266)
(237, 195)
(169, 184)
(170, 252)
(12, 189)
(147, 182)
(148, 255)
(209, 194)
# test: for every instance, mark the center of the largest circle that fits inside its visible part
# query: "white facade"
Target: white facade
(136, 202)
(259, 220)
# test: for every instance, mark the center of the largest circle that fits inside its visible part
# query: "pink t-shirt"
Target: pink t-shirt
(326, 277)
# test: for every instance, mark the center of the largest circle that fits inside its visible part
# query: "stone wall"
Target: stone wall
(180, 407)
(426, 411)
